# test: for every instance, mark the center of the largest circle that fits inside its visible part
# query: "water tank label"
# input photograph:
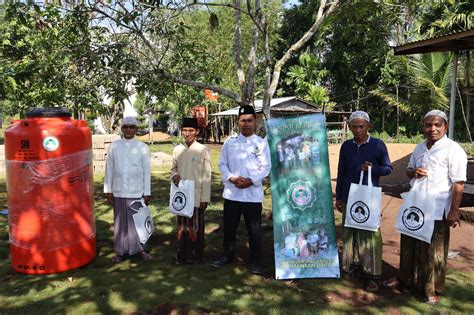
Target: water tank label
(50, 143)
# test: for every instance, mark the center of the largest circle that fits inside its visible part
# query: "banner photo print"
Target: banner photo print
(303, 217)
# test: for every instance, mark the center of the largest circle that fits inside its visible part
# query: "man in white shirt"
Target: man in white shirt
(127, 178)
(442, 164)
(244, 163)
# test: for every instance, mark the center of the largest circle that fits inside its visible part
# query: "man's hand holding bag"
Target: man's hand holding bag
(182, 198)
(415, 216)
(364, 205)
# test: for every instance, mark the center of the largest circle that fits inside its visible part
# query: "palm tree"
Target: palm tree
(424, 81)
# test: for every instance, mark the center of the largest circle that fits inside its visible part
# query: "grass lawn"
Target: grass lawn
(161, 287)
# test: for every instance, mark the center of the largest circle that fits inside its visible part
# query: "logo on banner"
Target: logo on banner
(179, 201)
(413, 218)
(360, 212)
(301, 195)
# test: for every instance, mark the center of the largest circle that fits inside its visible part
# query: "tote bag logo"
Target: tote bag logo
(179, 201)
(360, 212)
(149, 225)
(301, 195)
(413, 218)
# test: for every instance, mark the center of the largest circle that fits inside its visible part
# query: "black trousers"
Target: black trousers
(252, 212)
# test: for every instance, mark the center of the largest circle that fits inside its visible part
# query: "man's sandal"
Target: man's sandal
(432, 300)
(145, 256)
(371, 286)
(117, 258)
(391, 283)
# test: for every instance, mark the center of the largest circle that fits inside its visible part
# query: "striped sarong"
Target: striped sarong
(423, 265)
(126, 240)
(362, 249)
(191, 238)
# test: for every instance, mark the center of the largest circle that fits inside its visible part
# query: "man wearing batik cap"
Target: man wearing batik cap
(192, 161)
(361, 249)
(127, 178)
(442, 163)
(244, 163)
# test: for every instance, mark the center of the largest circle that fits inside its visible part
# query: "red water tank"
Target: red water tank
(50, 192)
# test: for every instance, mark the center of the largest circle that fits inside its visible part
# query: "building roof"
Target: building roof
(463, 40)
(274, 106)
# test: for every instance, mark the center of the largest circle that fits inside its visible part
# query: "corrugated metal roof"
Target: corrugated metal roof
(463, 40)
(258, 105)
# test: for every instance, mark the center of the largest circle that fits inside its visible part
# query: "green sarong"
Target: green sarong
(362, 249)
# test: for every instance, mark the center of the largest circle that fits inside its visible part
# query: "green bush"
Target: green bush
(177, 140)
(469, 148)
(385, 137)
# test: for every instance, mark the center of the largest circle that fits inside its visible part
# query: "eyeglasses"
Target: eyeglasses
(128, 127)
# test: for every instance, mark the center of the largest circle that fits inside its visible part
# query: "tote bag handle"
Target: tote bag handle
(142, 201)
(417, 184)
(369, 179)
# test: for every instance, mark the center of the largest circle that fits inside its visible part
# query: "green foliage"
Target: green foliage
(46, 58)
(176, 140)
(414, 139)
(469, 148)
(307, 77)
(444, 17)
(423, 84)
(354, 43)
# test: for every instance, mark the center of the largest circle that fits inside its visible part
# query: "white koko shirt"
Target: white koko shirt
(127, 170)
(446, 163)
(248, 157)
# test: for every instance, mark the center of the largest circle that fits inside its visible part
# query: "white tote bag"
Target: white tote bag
(182, 198)
(143, 221)
(415, 216)
(364, 205)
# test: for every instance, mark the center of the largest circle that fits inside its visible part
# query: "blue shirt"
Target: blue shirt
(351, 158)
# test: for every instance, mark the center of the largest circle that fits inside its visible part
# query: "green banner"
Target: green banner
(303, 218)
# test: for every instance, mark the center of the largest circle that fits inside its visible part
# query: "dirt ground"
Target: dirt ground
(461, 250)
(460, 247)
(155, 137)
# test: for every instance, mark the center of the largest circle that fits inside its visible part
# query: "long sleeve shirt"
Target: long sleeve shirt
(446, 163)
(127, 169)
(194, 163)
(248, 157)
(351, 158)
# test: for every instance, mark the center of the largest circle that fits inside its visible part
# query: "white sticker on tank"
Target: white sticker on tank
(50, 143)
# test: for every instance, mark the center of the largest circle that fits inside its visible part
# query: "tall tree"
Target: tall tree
(47, 59)
(158, 28)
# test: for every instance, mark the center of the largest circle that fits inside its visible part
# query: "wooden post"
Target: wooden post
(452, 104)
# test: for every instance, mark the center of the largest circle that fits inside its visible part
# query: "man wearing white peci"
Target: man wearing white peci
(127, 178)
(442, 163)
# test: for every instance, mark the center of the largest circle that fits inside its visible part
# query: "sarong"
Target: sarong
(126, 240)
(191, 238)
(423, 265)
(362, 249)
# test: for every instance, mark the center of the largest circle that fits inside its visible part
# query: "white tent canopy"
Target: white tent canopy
(258, 106)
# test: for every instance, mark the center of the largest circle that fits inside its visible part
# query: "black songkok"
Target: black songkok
(246, 109)
(189, 123)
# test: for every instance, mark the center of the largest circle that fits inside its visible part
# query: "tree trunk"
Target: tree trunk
(320, 16)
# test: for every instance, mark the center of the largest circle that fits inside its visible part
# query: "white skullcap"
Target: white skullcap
(129, 120)
(359, 114)
(436, 112)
